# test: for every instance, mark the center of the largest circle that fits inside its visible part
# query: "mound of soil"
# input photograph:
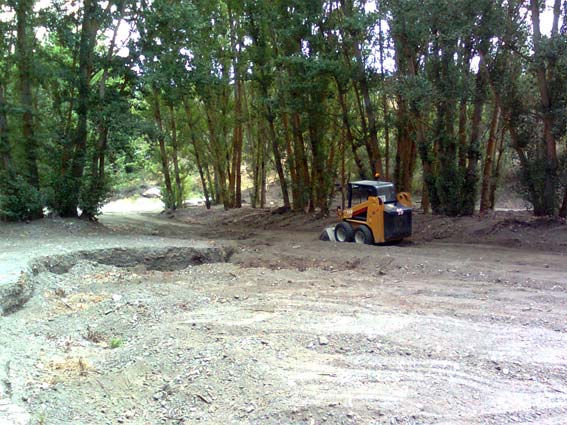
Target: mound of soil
(501, 228)
(504, 228)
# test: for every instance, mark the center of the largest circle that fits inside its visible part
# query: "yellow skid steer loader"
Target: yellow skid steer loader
(375, 214)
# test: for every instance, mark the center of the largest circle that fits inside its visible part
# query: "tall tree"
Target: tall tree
(548, 145)
(164, 158)
(262, 69)
(24, 46)
(74, 161)
(5, 149)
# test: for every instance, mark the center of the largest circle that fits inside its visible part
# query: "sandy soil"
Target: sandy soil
(463, 324)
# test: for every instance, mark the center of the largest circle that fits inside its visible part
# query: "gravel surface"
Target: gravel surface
(290, 330)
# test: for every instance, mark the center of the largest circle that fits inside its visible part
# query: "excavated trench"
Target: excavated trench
(14, 296)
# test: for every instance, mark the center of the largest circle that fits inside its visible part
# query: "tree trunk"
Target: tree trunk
(318, 168)
(210, 181)
(86, 50)
(372, 144)
(255, 196)
(556, 16)
(304, 180)
(290, 158)
(386, 137)
(270, 117)
(358, 160)
(525, 168)
(175, 157)
(563, 209)
(385, 111)
(252, 140)
(263, 171)
(344, 113)
(24, 9)
(425, 204)
(549, 144)
(100, 155)
(278, 159)
(342, 153)
(5, 149)
(376, 158)
(201, 172)
(236, 181)
(341, 91)
(103, 125)
(496, 174)
(463, 136)
(67, 148)
(330, 174)
(198, 159)
(465, 70)
(446, 189)
(162, 151)
(489, 160)
(219, 162)
(406, 151)
(237, 147)
(364, 131)
(469, 194)
(408, 118)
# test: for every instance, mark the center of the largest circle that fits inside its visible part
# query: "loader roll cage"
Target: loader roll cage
(359, 191)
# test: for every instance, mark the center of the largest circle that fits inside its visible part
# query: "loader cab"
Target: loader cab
(359, 192)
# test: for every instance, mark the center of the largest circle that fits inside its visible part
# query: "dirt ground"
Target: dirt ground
(463, 324)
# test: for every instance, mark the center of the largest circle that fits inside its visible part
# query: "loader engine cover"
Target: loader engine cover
(397, 222)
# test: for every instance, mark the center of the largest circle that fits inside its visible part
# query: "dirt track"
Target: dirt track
(295, 330)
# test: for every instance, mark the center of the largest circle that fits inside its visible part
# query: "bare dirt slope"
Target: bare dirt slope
(459, 325)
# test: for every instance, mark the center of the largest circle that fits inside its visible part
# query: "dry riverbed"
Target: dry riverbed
(291, 329)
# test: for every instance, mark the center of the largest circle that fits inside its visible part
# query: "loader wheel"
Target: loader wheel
(363, 235)
(344, 232)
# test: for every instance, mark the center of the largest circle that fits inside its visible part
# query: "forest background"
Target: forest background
(447, 98)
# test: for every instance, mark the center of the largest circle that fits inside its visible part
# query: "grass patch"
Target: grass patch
(115, 343)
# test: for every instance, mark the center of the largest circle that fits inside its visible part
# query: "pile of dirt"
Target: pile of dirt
(502, 228)
(519, 229)
(510, 228)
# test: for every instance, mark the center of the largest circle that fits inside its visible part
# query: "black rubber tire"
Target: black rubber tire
(344, 232)
(363, 235)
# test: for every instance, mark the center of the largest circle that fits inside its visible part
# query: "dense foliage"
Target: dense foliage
(439, 96)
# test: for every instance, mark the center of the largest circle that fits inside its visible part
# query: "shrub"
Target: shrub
(19, 200)
(58, 193)
(167, 199)
(61, 195)
(92, 196)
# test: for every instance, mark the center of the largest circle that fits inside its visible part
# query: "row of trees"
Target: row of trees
(436, 95)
